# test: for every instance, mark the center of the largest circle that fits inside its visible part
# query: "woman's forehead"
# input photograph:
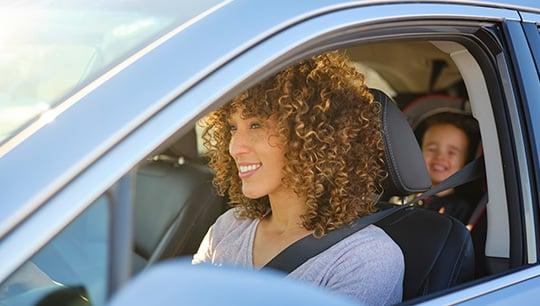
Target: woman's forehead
(244, 112)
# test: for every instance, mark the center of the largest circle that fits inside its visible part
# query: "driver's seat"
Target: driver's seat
(438, 249)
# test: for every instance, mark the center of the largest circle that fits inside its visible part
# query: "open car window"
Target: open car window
(52, 50)
(439, 76)
(441, 73)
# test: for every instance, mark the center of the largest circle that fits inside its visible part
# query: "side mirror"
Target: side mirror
(67, 296)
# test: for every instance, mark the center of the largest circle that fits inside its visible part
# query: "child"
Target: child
(449, 141)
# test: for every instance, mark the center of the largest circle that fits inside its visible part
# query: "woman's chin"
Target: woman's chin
(252, 194)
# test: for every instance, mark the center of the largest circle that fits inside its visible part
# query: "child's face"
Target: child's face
(444, 147)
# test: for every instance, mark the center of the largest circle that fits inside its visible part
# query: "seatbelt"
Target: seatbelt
(471, 172)
(308, 247)
(478, 212)
(304, 249)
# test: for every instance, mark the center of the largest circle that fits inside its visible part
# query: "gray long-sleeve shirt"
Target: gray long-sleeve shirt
(367, 265)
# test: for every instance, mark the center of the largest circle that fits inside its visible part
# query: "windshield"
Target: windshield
(51, 49)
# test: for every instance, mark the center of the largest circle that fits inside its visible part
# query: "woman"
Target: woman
(301, 154)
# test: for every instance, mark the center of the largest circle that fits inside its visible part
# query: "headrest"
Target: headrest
(426, 106)
(404, 162)
(186, 146)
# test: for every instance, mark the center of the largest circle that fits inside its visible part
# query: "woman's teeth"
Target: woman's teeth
(249, 168)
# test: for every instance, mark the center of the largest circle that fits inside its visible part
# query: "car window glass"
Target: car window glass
(71, 267)
(373, 79)
(49, 50)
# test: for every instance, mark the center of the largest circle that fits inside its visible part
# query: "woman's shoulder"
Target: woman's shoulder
(363, 249)
(367, 265)
(370, 250)
(225, 240)
(372, 242)
(229, 222)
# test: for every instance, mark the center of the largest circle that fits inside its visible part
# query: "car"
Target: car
(100, 162)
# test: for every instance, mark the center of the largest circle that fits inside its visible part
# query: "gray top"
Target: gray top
(367, 265)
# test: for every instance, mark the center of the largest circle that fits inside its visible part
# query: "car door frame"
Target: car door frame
(531, 110)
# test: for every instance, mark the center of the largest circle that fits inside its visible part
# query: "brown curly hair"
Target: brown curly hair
(333, 142)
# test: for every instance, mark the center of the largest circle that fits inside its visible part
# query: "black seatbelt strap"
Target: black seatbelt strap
(471, 172)
(302, 250)
(478, 212)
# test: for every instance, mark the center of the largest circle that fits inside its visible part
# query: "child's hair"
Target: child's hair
(466, 123)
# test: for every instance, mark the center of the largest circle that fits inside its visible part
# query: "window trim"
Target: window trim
(121, 232)
(526, 89)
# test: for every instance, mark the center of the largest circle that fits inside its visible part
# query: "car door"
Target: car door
(162, 91)
(511, 211)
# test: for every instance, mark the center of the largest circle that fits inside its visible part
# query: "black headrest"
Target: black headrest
(186, 146)
(407, 171)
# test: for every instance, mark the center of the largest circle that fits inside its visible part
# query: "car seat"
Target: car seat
(424, 107)
(437, 249)
(175, 204)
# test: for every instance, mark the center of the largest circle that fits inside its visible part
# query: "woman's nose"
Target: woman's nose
(238, 144)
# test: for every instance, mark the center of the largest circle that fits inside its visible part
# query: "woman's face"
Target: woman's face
(444, 147)
(258, 153)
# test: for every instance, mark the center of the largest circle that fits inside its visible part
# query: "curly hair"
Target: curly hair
(333, 141)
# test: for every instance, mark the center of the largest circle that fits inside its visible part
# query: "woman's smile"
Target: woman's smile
(246, 170)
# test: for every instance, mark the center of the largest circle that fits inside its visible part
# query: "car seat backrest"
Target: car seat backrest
(175, 204)
(475, 193)
(437, 249)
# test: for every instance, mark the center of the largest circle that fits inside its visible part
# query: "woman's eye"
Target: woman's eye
(232, 128)
(255, 125)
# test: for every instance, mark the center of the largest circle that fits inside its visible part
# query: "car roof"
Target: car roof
(524, 5)
(82, 132)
